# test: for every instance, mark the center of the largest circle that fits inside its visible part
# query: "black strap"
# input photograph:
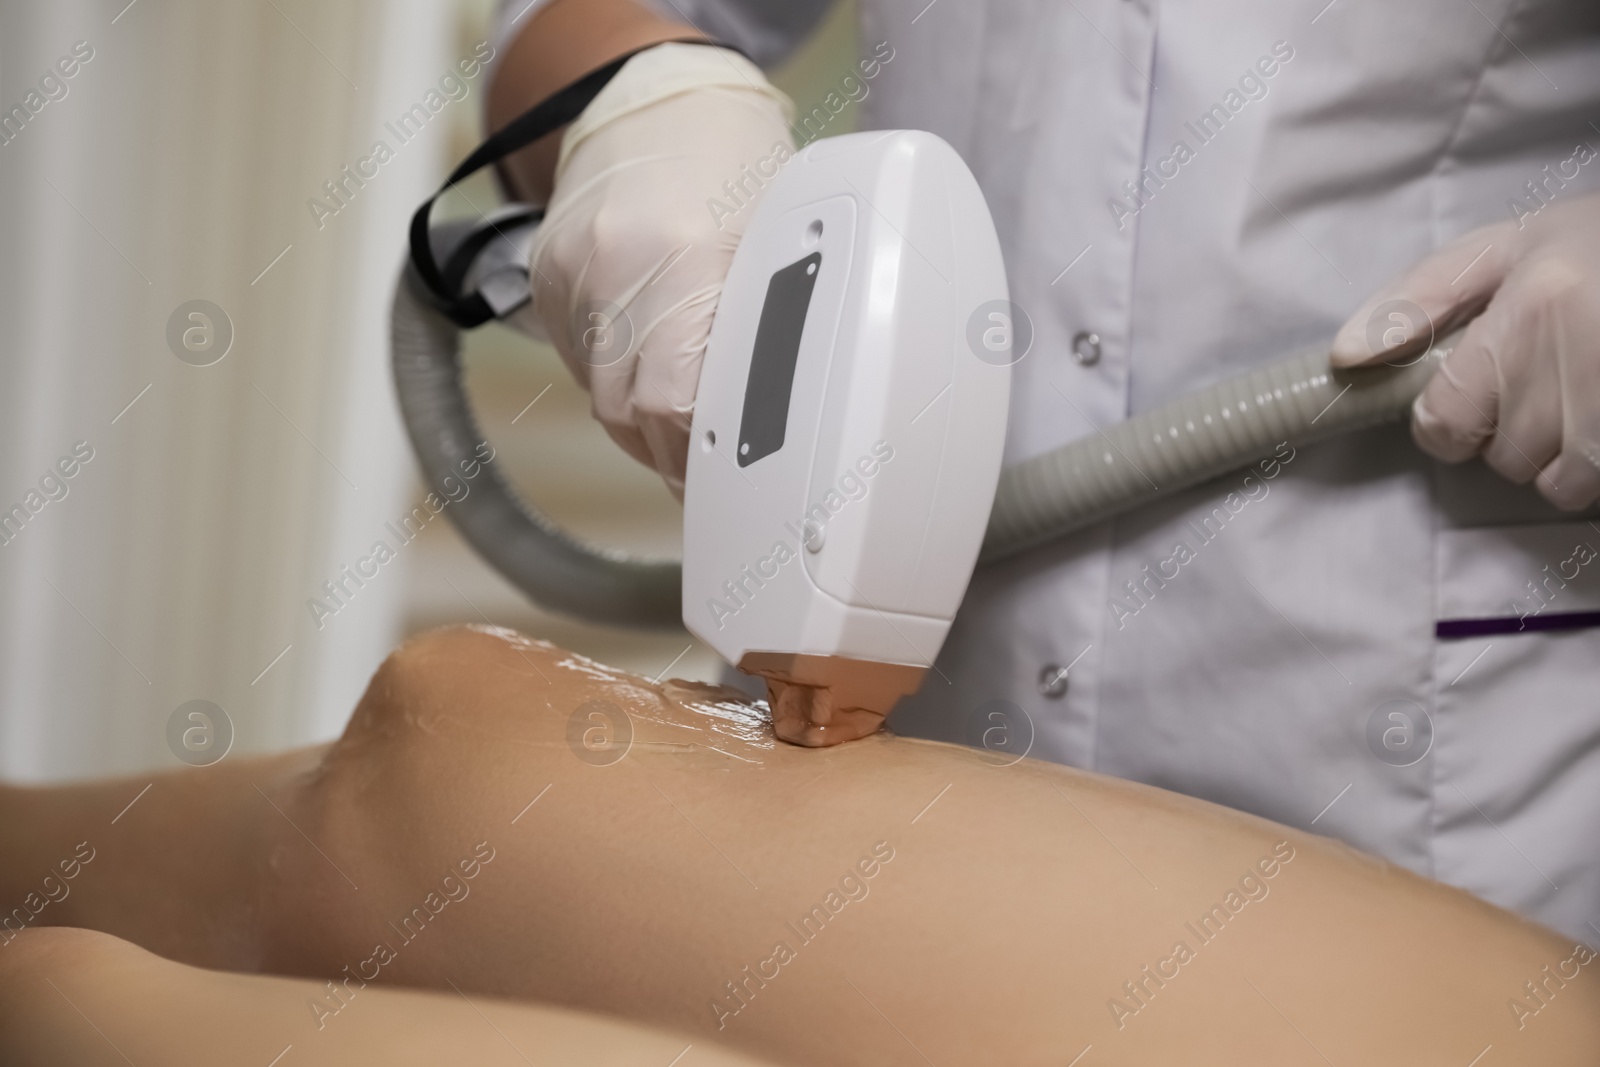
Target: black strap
(548, 115)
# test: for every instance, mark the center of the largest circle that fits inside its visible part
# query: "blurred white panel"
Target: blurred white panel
(178, 166)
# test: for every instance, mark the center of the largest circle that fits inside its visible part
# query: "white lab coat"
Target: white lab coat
(1264, 672)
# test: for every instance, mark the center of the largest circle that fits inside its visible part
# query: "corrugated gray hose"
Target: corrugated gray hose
(1201, 436)
(556, 570)
(1197, 437)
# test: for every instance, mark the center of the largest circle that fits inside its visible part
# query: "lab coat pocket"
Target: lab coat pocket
(1516, 773)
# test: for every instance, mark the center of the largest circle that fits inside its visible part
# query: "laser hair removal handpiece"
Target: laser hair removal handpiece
(842, 430)
(847, 431)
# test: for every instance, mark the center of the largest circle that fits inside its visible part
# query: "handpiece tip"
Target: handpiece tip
(810, 715)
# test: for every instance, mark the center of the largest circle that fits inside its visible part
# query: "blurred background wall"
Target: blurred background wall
(175, 307)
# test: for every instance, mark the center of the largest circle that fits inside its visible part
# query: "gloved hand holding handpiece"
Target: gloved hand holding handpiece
(637, 238)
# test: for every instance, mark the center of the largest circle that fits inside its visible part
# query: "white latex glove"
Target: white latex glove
(1523, 387)
(655, 184)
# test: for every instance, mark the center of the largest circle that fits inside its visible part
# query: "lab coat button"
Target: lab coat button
(1053, 681)
(1086, 348)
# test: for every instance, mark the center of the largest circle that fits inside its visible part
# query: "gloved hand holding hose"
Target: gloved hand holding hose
(629, 263)
(1523, 387)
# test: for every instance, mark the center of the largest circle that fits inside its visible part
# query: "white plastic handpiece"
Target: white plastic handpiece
(849, 424)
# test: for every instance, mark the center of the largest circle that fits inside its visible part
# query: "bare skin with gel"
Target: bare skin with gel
(677, 867)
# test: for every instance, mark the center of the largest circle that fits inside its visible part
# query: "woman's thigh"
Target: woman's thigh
(70, 996)
(513, 819)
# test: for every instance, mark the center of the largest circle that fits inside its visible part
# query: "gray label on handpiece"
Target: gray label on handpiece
(767, 391)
